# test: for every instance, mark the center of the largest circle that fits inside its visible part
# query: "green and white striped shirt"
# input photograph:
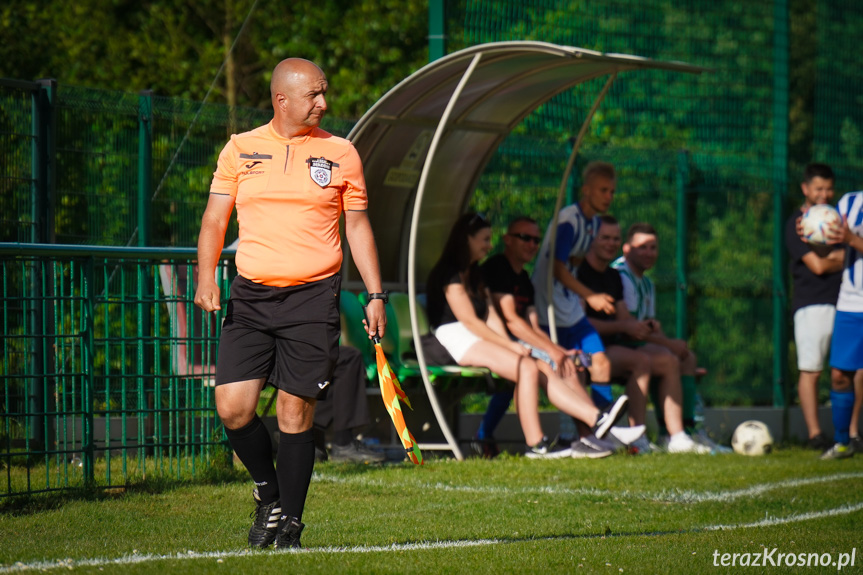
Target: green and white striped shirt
(638, 293)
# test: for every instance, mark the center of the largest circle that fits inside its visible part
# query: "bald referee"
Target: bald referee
(290, 182)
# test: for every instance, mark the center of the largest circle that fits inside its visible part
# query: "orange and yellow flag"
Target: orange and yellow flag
(392, 392)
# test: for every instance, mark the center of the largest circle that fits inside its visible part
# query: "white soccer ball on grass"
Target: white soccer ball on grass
(752, 438)
(819, 222)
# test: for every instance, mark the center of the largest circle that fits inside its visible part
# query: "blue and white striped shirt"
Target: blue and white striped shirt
(575, 233)
(851, 290)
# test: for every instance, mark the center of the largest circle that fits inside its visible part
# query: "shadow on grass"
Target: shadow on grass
(38, 501)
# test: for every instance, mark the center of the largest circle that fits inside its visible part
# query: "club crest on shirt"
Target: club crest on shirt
(321, 171)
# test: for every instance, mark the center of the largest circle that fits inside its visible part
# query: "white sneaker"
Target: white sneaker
(682, 443)
(627, 435)
(610, 416)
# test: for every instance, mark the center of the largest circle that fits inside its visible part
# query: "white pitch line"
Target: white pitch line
(771, 521)
(673, 496)
(724, 496)
(221, 555)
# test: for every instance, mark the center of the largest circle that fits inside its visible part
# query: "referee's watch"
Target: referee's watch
(383, 296)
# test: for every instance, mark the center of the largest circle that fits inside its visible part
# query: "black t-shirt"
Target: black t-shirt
(480, 305)
(501, 278)
(607, 281)
(809, 288)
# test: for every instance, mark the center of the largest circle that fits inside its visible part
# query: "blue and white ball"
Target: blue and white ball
(819, 222)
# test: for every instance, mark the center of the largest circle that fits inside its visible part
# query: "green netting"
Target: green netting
(16, 158)
(724, 119)
(96, 166)
(838, 118)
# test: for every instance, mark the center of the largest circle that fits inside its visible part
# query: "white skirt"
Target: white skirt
(456, 338)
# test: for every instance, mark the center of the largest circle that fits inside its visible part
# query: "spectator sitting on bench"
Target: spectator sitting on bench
(624, 337)
(640, 252)
(513, 297)
(473, 333)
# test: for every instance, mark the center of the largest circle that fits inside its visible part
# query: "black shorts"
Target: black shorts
(287, 335)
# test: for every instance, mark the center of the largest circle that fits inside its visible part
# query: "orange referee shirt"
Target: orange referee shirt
(289, 193)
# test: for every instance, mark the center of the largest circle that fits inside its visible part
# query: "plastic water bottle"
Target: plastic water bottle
(699, 412)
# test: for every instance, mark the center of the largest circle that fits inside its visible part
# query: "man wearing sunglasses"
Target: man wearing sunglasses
(513, 296)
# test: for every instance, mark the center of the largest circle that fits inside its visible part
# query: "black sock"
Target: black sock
(296, 459)
(342, 437)
(253, 446)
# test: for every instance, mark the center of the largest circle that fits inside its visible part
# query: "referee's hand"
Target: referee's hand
(376, 318)
(207, 297)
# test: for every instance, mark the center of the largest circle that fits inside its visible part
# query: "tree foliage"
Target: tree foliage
(176, 47)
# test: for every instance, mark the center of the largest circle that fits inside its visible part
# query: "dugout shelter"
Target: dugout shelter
(425, 143)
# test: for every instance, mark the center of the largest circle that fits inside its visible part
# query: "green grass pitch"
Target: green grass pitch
(652, 514)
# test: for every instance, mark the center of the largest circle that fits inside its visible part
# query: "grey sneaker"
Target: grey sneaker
(581, 449)
(700, 437)
(600, 444)
(265, 521)
(289, 533)
(856, 444)
(356, 452)
(610, 416)
(546, 449)
(838, 451)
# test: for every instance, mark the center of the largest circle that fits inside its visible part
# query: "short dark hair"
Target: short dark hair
(598, 168)
(520, 220)
(640, 228)
(609, 219)
(816, 170)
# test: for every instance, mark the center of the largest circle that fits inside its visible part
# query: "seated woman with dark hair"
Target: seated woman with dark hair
(473, 333)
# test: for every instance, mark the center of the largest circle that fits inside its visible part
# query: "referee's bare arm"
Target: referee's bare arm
(358, 231)
(210, 242)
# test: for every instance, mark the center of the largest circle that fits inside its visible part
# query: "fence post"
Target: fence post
(87, 426)
(145, 164)
(146, 425)
(44, 128)
(44, 165)
(682, 244)
(780, 185)
(437, 30)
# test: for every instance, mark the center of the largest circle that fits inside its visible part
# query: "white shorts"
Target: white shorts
(813, 326)
(456, 338)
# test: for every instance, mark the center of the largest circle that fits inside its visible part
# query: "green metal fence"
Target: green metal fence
(107, 367)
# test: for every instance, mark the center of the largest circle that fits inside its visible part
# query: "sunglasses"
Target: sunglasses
(527, 238)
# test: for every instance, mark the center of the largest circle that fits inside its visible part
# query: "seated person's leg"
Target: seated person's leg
(520, 369)
(665, 366)
(690, 391)
(634, 365)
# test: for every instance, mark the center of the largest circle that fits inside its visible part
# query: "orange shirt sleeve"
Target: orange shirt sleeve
(225, 176)
(354, 196)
